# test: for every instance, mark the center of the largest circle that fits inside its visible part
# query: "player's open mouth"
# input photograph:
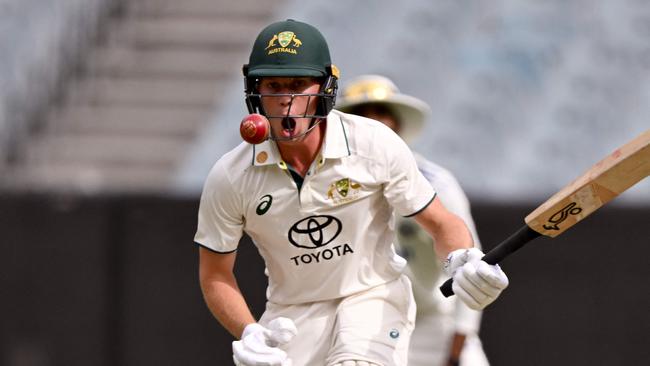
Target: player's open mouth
(289, 124)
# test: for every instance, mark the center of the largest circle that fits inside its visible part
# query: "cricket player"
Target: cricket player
(318, 199)
(446, 330)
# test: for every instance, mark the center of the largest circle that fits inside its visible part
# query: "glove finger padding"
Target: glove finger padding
(255, 348)
(465, 289)
(459, 257)
(493, 275)
(281, 331)
(479, 284)
(245, 355)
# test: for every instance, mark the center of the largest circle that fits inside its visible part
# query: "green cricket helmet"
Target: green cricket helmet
(291, 49)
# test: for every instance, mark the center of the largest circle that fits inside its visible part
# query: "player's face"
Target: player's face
(285, 110)
(382, 116)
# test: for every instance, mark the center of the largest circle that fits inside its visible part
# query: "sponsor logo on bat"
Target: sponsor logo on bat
(559, 217)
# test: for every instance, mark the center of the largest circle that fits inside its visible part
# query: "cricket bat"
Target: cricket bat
(610, 177)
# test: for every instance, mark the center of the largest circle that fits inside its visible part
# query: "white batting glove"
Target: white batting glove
(476, 283)
(259, 345)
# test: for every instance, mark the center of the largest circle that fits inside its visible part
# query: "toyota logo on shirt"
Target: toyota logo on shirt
(314, 231)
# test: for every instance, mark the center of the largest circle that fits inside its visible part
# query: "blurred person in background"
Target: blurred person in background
(446, 330)
(318, 199)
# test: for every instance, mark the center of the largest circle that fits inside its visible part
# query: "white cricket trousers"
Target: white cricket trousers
(374, 326)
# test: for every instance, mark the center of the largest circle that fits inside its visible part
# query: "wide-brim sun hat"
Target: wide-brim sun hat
(375, 89)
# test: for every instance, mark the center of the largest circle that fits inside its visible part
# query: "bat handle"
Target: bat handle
(500, 252)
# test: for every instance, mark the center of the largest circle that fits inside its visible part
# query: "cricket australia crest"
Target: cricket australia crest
(287, 42)
(343, 190)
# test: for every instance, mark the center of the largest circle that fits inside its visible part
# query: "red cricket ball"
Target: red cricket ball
(254, 128)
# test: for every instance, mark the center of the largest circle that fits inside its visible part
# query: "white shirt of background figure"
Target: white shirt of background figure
(446, 330)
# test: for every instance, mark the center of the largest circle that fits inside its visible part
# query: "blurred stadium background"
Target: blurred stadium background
(113, 111)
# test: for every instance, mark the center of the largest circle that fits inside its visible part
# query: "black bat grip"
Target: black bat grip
(500, 252)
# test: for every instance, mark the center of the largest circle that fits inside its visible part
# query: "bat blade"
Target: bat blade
(600, 184)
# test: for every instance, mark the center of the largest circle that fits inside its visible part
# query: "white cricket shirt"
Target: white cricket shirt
(331, 237)
(425, 269)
